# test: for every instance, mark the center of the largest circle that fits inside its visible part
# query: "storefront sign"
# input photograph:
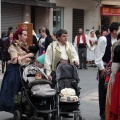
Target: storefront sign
(110, 11)
(28, 28)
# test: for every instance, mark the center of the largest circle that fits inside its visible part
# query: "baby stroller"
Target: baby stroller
(67, 78)
(36, 99)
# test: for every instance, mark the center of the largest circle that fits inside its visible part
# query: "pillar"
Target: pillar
(27, 14)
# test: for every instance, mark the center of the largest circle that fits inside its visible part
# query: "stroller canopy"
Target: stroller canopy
(31, 70)
(67, 71)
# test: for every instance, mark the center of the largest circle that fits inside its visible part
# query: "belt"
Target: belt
(64, 61)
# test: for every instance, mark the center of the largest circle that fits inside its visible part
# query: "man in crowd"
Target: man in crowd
(60, 51)
(81, 43)
(102, 58)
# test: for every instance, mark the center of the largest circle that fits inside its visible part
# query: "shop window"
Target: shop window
(57, 19)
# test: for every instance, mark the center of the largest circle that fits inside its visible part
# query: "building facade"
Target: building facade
(110, 12)
(75, 14)
(53, 14)
(19, 11)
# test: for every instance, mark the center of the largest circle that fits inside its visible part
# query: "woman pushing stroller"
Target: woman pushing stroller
(11, 83)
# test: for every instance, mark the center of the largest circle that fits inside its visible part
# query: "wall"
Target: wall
(80, 4)
(68, 21)
(110, 2)
(91, 19)
(42, 18)
(91, 13)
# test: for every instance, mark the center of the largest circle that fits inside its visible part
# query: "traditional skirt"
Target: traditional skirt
(115, 99)
(11, 85)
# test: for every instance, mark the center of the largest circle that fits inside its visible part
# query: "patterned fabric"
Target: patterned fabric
(16, 52)
(107, 73)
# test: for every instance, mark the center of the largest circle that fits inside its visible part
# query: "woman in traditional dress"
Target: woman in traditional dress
(91, 52)
(11, 83)
(113, 89)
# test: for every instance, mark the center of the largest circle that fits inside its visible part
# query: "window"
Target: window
(57, 19)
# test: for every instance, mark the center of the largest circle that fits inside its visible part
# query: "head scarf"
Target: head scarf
(15, 37)
(89, 35)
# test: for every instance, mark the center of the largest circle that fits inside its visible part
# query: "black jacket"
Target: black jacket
(34, 48)
(2, 51)
(48, 40)
(6, 46)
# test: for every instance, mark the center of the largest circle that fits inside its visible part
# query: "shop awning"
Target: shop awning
(31, 2)
(109, 11)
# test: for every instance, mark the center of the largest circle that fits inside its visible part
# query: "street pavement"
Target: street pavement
(88, 97)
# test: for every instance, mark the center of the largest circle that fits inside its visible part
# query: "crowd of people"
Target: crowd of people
(103, 50)
(96, 49)
(86, 46)
(107, 60)
(47, 51)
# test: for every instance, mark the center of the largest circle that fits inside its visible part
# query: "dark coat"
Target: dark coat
(6, 46)
(2, 51)
(34, 48)
(107, 56)
(48, 40)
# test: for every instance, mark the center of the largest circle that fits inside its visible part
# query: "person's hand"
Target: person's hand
(76, 63)
(30, 54)
(27, 47)
(49, 77)
(9, 61)
(103, 73)
(90, 49)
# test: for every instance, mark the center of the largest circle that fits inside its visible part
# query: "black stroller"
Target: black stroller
(67, 77)
(32, 105)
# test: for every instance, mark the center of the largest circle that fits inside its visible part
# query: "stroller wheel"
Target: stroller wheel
(78, 117)
(17, 115)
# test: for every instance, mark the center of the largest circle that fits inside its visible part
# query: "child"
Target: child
(40, 61)
(42, 89)
(38, 75)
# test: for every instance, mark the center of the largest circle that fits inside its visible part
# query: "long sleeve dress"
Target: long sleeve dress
(11, 83)
(91, 52)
